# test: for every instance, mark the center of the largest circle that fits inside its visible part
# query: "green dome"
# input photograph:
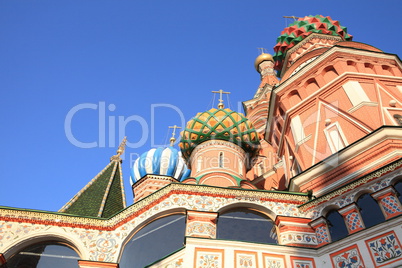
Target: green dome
(219, 124)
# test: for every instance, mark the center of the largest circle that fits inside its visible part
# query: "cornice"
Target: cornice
(66, 220)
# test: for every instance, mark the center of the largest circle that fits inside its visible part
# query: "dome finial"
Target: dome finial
(173, 139)
(220, 104)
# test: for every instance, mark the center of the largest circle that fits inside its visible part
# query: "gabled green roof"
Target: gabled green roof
(102, 197)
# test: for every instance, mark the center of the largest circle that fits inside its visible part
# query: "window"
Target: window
(297, 129)
(45, 255)
(369, 210)
(398, 188)
(156, 240)
(221, 160)
(242, 224)
(336, 225)
(355, 92)
(398, 119)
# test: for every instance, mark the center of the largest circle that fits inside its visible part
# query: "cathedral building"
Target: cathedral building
(309, 177)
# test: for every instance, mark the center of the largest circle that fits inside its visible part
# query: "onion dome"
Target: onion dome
(219, 124)
(161, 161)
(300, 29)
(262, 57)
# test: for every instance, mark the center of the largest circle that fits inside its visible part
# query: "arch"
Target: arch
(154, 240)
(40, 237)
(351, 66)
(369, 68)
(398, 188)
(370, 211)
(259, 208)
(246, 224)
(161, 214)
(329, 73)
(336, 225)
(45, 254)
(387, 70)
(294, 97)
(311, 86)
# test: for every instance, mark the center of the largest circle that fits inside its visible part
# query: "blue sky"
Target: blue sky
(126, 60)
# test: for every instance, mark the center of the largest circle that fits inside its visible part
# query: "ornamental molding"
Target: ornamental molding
(153, 177)
(345, 195)
(220, 143)
(278, 202)
(329, 56)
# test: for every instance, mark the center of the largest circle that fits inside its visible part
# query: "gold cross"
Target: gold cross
(291, 17)
(173, 139)
(220, 105)
(261, 49)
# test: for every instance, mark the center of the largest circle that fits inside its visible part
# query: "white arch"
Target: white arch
(44, 236)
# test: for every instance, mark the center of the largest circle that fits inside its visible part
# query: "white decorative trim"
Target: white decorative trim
(341, 136)
(361, 104)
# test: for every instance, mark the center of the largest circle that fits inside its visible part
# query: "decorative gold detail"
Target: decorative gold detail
(220, 105)
(262, 57)
(173, 139)
(120, 150)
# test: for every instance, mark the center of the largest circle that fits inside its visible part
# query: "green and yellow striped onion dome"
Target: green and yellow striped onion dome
(219, 124)
(303, 27)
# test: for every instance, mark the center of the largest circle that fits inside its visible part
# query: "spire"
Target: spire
(104, 195)
(220, 105)
(120, 151)
(173, 139)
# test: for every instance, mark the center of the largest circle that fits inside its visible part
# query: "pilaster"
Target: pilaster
(295, 232)
(352, 217)
(201, 224)
(96, 264)
(321, 231)
(388, 201)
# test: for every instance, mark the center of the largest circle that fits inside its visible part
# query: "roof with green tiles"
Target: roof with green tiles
(102, 197)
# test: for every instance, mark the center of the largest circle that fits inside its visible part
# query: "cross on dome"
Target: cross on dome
(173, 139)
(220, 104)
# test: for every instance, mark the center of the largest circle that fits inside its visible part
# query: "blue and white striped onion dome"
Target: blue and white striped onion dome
(161, 161)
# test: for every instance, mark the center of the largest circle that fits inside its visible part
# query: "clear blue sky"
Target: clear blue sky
(129, 56)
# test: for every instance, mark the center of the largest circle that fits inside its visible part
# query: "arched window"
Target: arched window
(242, 224)
(398, 188)
(336, 225)
(45, 255)
(369, 210)
(156, 240)
(221, 159)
